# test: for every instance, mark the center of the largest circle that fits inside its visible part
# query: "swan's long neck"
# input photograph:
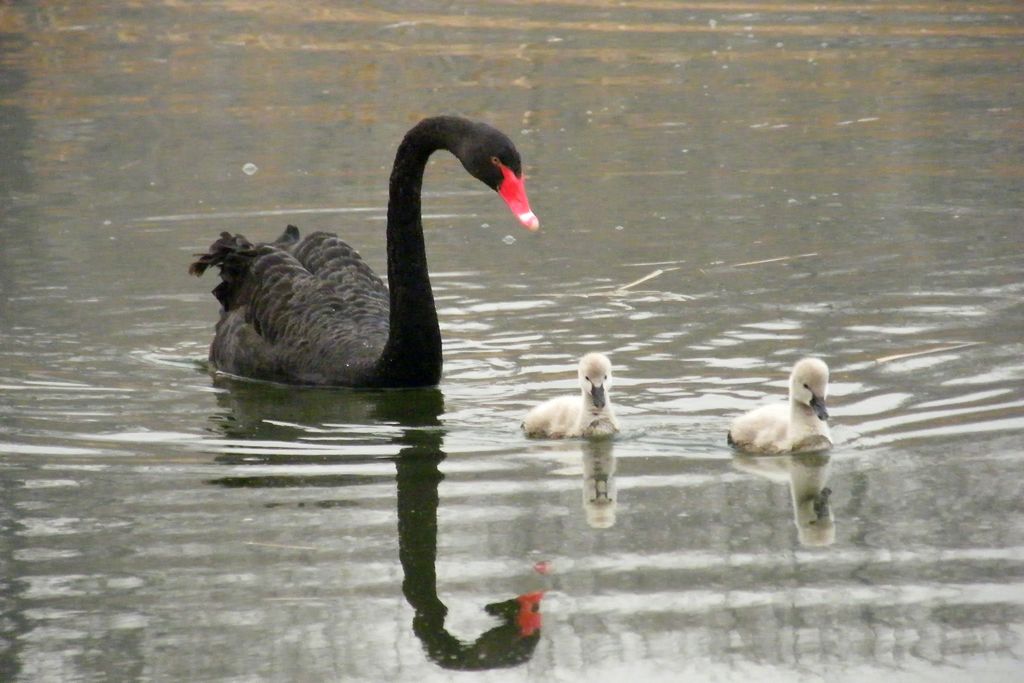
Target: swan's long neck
(801, 418)
(412, 354)
(804, 423)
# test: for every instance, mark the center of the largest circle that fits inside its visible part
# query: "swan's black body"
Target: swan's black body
(312, 311)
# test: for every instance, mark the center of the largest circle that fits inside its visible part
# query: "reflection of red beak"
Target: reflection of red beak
(528, 620)
(513, 191)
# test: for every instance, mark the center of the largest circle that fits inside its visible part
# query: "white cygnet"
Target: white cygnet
(590, 414)
(800, 426)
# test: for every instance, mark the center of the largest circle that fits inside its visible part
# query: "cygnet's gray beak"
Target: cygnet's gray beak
(818, 405)
(597, 393)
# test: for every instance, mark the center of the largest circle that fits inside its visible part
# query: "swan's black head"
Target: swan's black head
(490, 157)
(480, 146)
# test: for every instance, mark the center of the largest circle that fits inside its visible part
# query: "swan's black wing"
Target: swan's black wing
(305, 312)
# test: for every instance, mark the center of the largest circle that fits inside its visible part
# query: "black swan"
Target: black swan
(312, 312)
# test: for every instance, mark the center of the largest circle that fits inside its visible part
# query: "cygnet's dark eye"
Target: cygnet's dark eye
(806, 387)
(606, 377)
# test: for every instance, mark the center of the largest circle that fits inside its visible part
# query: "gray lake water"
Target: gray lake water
(838, 179)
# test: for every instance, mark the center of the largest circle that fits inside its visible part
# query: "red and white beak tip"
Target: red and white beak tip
(513, 191)
(529, 220)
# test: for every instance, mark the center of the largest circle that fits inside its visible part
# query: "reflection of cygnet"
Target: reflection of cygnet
(799, 426)
(806, 474)
(599, 494)
(589, 415)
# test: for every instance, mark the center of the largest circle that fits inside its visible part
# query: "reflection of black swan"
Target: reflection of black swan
(508, 644)
(313, 312)
(262, 411)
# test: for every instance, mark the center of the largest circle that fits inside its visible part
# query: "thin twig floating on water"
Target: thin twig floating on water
(624, 289)
(645, 278)
(772, 260)
(279, 545)
(937, 349)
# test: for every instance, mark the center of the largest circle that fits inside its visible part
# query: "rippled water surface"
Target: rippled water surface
(723, 187)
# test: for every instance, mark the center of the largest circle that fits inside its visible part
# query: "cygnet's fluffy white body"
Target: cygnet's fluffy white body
(800, 425)
(589, 414)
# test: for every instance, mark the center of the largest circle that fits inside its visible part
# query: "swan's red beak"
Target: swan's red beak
(513, 191)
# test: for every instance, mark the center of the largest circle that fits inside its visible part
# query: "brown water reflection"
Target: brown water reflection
(725, 185)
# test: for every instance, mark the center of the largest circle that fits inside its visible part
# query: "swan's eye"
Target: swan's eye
(496, 161)
(806, 387)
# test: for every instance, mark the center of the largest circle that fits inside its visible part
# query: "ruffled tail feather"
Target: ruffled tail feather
(234, 255)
